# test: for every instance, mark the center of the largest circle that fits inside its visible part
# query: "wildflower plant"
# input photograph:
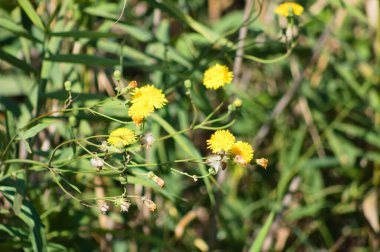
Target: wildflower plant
(108, 150)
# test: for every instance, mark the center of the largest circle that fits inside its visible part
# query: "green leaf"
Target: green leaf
(85, 34)
(28, 214)
(84, 59)
(16, 62)
(17, 29)
(32, 14)
(33, 130)
(259, 241)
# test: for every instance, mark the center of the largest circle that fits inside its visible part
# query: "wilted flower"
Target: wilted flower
(159, 181)
(123, 203)
(221, 140)
(104, 208)
(263, 162)
(149, 204)
(217, 162)
(132, 84)
(217, 76)
(97, 162)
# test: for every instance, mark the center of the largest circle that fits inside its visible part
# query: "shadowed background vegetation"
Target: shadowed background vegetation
(314, 113)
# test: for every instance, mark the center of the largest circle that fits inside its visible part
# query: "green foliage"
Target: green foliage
(309, 88)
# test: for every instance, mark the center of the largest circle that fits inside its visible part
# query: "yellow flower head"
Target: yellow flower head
(144, 101)
(150, 95)
(286, 8)
(121, 137)
(217, 76)
(243, 152)
(139, 111)
(221, 140)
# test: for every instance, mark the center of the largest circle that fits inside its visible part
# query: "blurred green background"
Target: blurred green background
(314, 114)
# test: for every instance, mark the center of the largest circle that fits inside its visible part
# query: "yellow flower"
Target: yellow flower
(217, 76)
(144, 101)
(221, 140)
(121, 137)
(286, 8)
(243, 152)
(150, 95)
(139, 111)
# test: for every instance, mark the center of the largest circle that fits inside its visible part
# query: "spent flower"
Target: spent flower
(149, 204)
(97, 162)
(263, 162)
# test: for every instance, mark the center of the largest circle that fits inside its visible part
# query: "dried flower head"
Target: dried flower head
(121, 137)
(217, 162)
(149, 204)
(263, 162)
(132, 84)
(123, 203)
(144, 101)
(97, 162)
(243, 152)
(287, 8)
(159, 181)
(221, 140)
(104, 208)
(217, 76)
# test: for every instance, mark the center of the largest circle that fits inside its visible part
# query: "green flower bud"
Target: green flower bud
(117, 75)
(72, 121)
(187, 84)
(123, 180)
(67, 85)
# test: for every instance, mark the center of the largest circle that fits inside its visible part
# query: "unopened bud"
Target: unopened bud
(149, 204)
(263, 162)
(67, 85)
(159, 181)
(187, 84)
(117, 75)
(72, 120)
(123, 180)
(237, 102)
